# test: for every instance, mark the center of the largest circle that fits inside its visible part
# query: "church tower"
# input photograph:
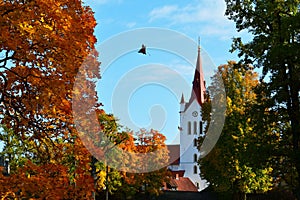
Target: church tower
(191, 127)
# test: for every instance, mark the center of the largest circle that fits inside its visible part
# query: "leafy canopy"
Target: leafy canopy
(239, 162)
(275, 47)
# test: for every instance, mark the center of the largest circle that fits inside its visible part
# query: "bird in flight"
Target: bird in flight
(143, 50)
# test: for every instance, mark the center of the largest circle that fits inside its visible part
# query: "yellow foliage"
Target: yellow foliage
(101, 180)
(235, 137)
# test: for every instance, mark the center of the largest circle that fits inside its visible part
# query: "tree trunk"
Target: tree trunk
(294, 115)
(106, 183)
(237, 194)
(94, 175)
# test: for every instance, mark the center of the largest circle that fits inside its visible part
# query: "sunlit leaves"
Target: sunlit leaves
(147, 142)
(238, 163)
(43, 46)
(274, 47)
(124, 148)
(49, 181)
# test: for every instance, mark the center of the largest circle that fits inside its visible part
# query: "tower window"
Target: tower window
(189, 128)
(195, 169)
(195, 142)
(195, 128)
(201, 127)
(195, 158)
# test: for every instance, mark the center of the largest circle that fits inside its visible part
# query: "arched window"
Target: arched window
(195, 169)
(195, 127)
(189, 128)
(201, 127)
(195, 142)
(195, 158)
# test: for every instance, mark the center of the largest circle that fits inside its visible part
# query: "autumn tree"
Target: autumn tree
(107, 178)
(15, 150)
(241, 160)
(30, 178)
(153, 169)
(126, 162)
(45, 45)
(275, 47)
(47, 181)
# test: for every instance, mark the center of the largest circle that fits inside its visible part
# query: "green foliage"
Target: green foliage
(108, 141)
(275, 47)
(15, 149)
(240, 161)
(108, 179)
(119, 149)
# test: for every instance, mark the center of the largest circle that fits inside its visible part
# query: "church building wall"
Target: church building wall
(191, 124)
(191, 127)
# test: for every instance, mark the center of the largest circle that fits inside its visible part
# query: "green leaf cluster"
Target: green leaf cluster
(275, 48)
(240, 161)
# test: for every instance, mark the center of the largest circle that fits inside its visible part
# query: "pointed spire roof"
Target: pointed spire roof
(198, 82)
(182, 99)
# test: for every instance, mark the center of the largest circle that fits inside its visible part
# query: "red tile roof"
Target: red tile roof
(174, 154)
(183, 184)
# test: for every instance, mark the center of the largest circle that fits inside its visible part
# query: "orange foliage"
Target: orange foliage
(67, 177)
(49, 181)
(153, 172)
(44, 44)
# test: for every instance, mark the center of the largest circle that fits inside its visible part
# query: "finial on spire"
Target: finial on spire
(199, 42)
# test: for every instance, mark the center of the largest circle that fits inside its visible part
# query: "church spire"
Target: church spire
(198, 82)
(182, 99)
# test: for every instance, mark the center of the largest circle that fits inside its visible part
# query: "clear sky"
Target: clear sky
(143, 91)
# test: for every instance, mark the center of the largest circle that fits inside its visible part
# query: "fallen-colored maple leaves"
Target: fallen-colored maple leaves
(44, 44)
(48, 181)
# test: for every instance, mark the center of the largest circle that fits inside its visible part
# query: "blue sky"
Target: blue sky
(143, 91)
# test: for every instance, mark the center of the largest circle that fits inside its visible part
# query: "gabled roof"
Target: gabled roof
(174, 154)
(183, 184)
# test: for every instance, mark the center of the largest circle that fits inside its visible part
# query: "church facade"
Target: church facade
(191, 127)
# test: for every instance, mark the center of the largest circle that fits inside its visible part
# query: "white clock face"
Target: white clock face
(195, 113)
